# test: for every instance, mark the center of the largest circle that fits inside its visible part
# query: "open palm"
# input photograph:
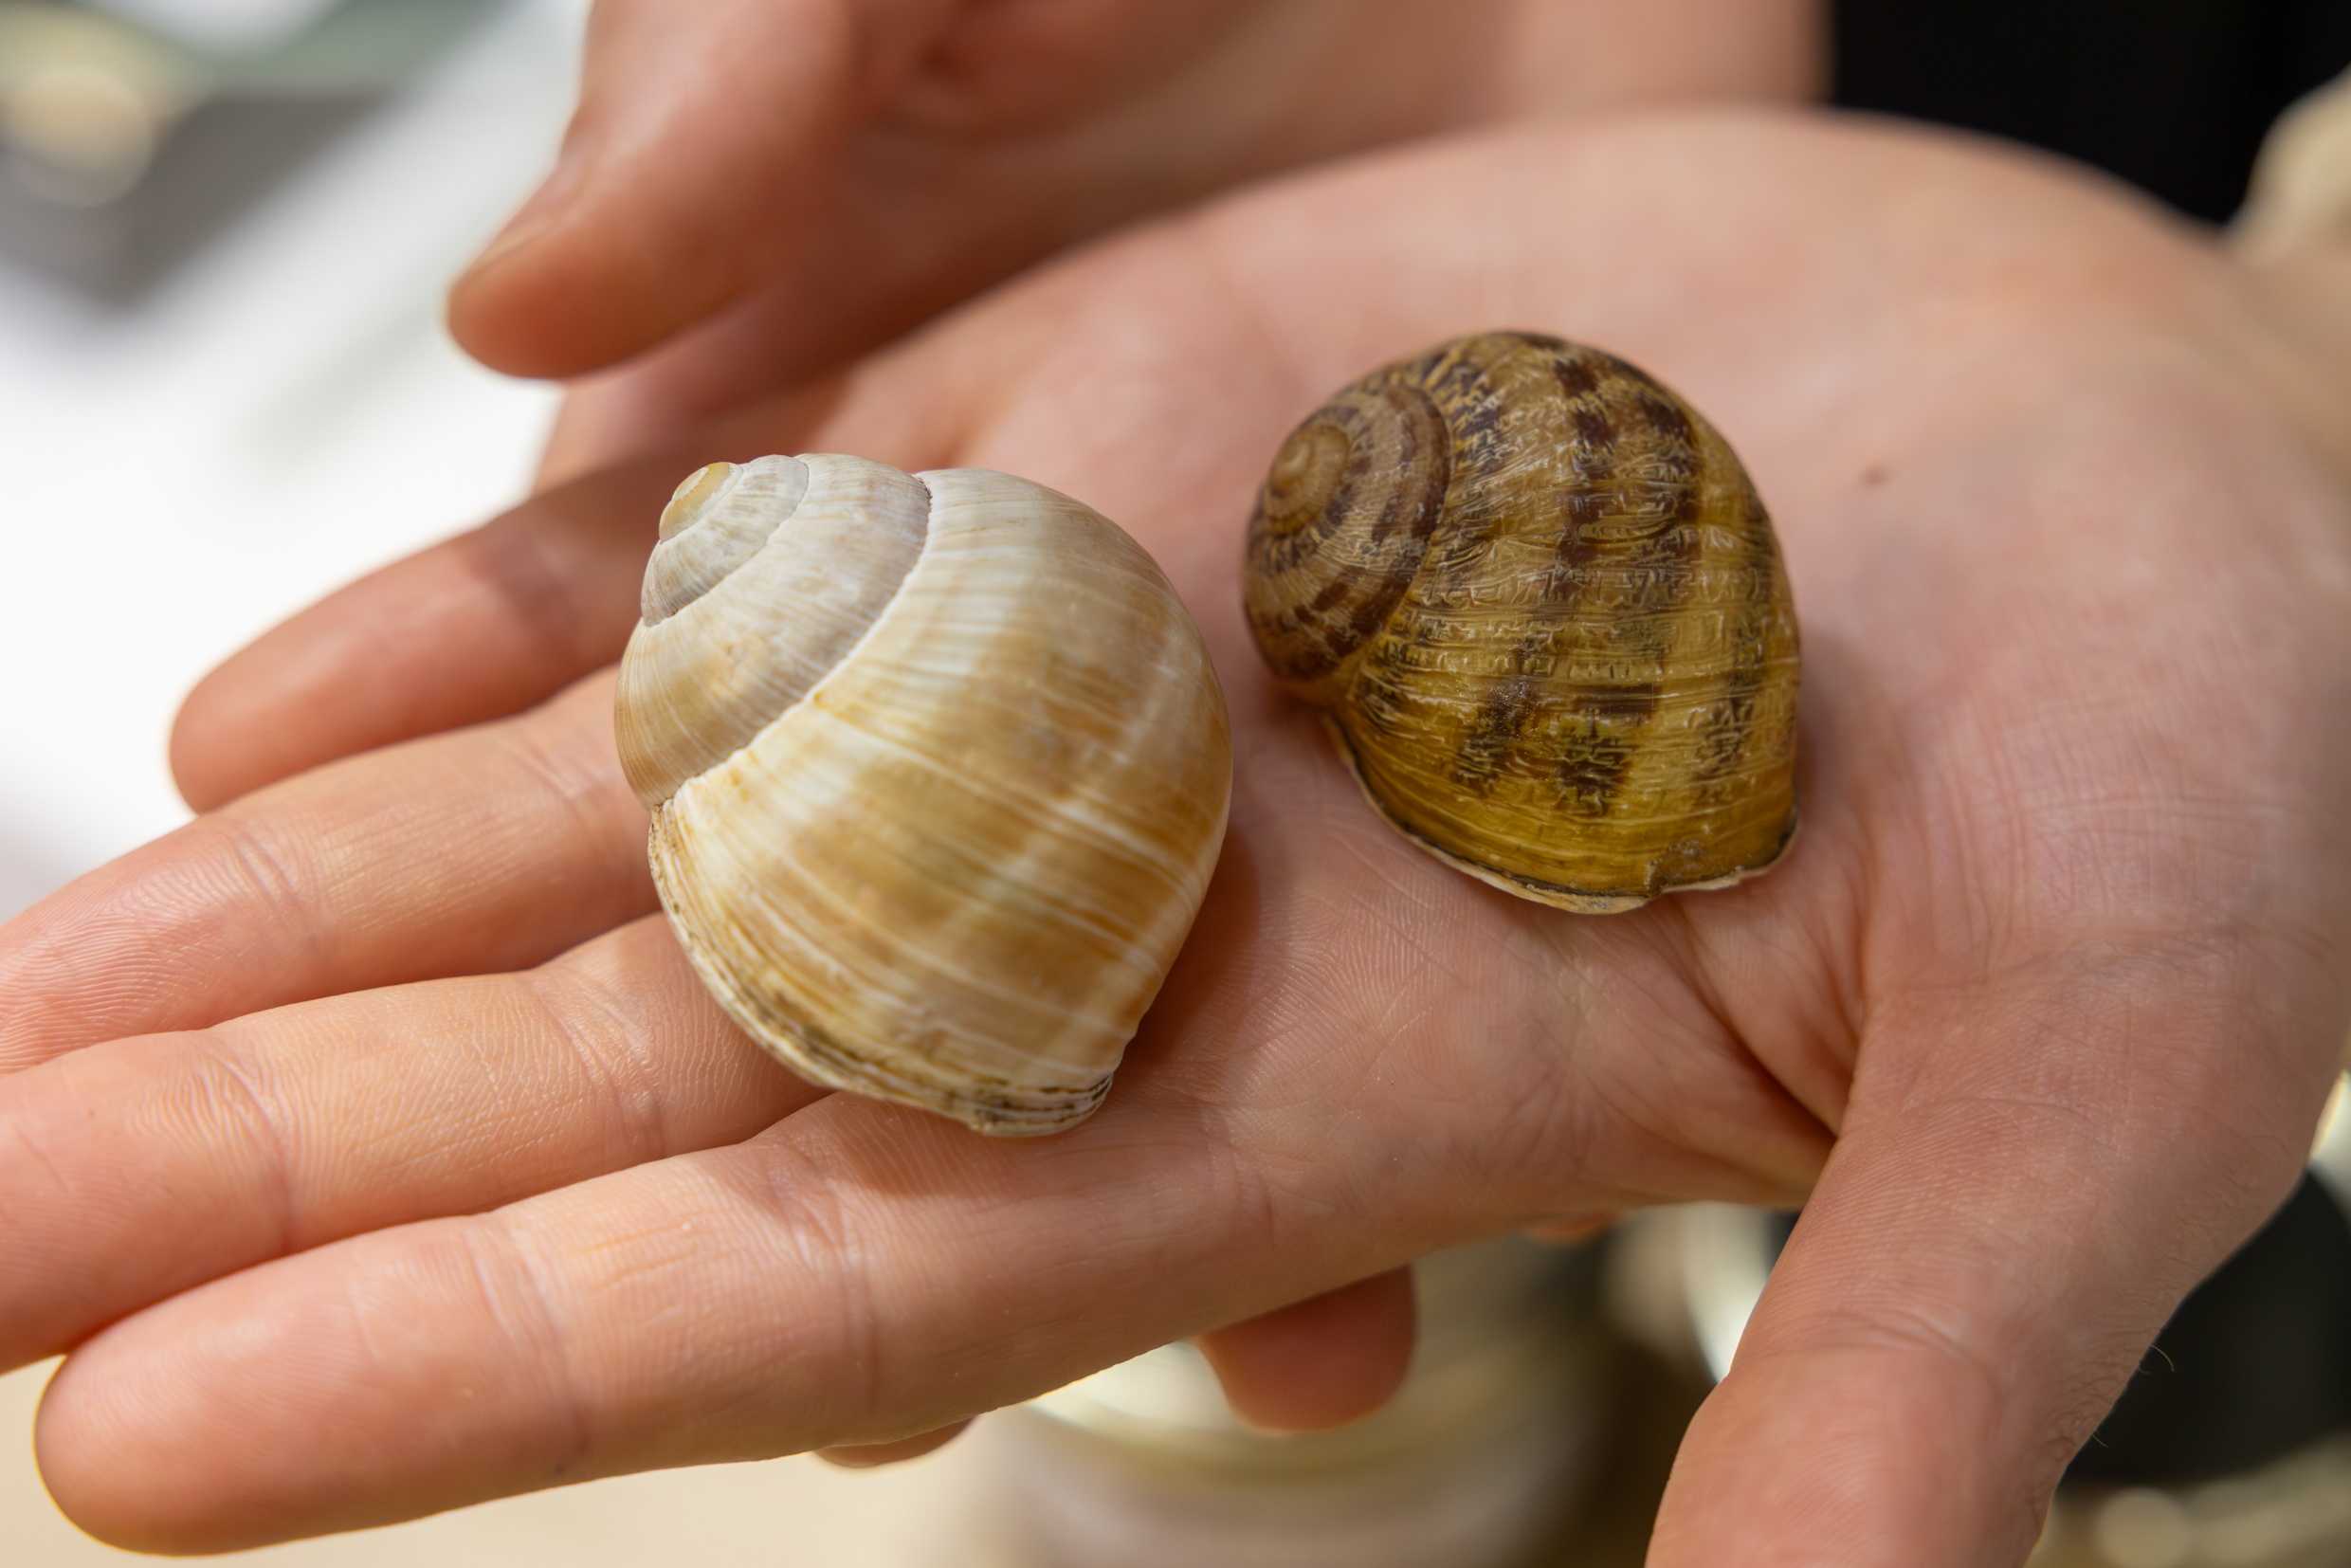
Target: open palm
(2039, 1012)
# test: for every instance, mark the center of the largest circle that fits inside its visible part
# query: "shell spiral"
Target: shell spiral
(1545, 615)
(939, 770)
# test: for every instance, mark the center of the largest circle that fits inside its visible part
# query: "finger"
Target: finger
(1320, 1362)
(1987, 1256)
(720, 1305)
(862, 1275)
(479, 628)
(944, 146)
(701, 147)
(491, 849)
(143, 1167)
(866, 1456)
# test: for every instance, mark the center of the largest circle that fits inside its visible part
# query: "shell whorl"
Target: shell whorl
(1543, 610)
(1343, 522)
(951, 865)
(717, 520)
(712, 662)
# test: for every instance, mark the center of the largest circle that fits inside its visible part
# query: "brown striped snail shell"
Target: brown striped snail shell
(1542, 610)
(938, 772)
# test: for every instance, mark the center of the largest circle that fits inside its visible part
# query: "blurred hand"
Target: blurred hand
(805, 178)
(2038, 1014)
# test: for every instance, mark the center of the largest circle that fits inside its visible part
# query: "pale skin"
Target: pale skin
(2038, 1014)
(766, 187)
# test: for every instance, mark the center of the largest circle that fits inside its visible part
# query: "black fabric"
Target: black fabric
(2172, 95)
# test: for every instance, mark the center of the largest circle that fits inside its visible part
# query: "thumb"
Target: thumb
(704, 136)
(1996, 1238)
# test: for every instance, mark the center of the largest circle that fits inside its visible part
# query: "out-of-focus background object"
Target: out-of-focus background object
(130, 148)
(224, 228)
(1482, 1456)
(223, 25)
(2301, 187)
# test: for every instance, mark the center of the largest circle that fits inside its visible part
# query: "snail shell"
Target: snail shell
(938, 772)
(1543, 612)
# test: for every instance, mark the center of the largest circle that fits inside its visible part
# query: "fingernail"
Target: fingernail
(544, 208)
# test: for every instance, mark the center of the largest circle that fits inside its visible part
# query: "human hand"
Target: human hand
(805, 178)
(2039, 1012)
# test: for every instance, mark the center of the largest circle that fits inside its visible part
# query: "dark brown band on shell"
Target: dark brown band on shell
(1340, 526)
(1587, 685)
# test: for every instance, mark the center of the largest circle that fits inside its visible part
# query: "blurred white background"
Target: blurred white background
(209, 418)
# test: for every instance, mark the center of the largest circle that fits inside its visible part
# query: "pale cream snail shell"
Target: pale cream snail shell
(939, 770)
(1543, 612)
